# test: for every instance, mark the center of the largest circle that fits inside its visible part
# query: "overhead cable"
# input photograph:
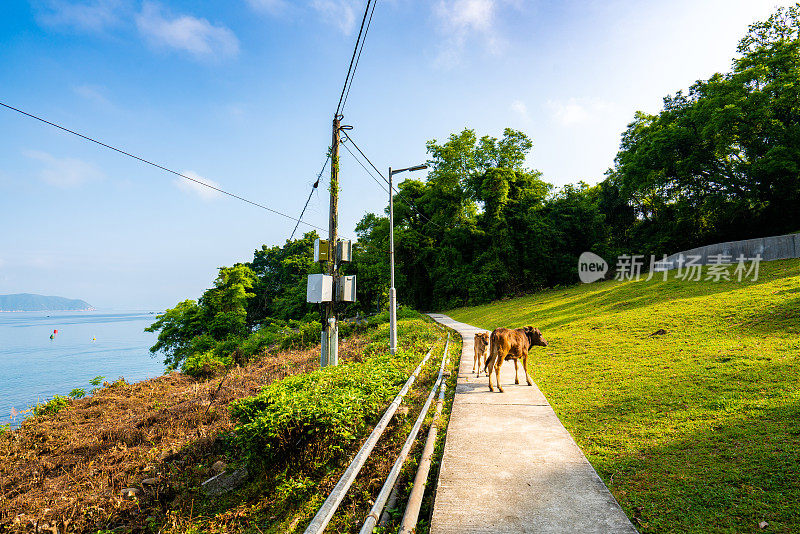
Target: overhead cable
(161, 167)
(314, 187)
(368, 160)
(350, 70)
(369, 173)
(411, 204)
(363, 40)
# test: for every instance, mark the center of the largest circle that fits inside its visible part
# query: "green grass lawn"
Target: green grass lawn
(697, 430)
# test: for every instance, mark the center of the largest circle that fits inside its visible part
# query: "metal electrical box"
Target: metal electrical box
(321, 250)
(319, 288)
(347, 289)
(344, 251)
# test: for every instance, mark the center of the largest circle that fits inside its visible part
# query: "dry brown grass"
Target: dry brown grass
(263, 511)
(64, 472)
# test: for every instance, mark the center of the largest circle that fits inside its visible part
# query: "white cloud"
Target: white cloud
(93, 93)
(520, 108)
(65, 173)
(189, 34)
(339, 13)
(568, 112)
(580, 110)
(88, 16)
(268, 6)
(344, 15)
(467, 15)
(203, 192)
(464, 20)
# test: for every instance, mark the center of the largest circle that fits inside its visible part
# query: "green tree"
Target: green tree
(280, 288)
(225, 305)
(177, 328)
(371, 262)
(721, 162)
(460, 235)
(570, 223)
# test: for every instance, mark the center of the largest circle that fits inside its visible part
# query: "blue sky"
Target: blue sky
(241, 94)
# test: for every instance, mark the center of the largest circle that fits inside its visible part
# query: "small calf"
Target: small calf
(481, 348)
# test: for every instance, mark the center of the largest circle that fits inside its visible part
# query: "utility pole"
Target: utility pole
(330, 347)
(392, 292)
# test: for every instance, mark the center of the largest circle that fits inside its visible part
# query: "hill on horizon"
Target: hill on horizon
(32, 302)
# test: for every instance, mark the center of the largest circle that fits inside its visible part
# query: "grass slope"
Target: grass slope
(697, 430)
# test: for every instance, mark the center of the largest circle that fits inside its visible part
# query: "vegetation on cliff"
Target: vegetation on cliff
(292, 425)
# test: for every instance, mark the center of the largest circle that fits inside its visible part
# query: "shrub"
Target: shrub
(307, 334)
(96, 381)
(207, 356)
(54, 405)
(403, 312)
(327, 407)
(205, 364)
(317, 416)
(77, 393)
(227, 350)
(295, 490)
(257, 342)
(119, 382)
(201, 343)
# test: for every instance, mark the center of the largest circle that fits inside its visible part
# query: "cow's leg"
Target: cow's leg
(497, 364)
(525, 367)
(476, 359)
(489, 374)
(516, 370)
(488, 367)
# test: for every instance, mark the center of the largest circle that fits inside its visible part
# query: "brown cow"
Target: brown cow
(481, 346)
(507, 344)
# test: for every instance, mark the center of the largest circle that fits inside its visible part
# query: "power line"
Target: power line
(368, 160)
(364, 40)
(350, 69)
(369, 173)
(159, 166)
(313, 188)
(413, 206)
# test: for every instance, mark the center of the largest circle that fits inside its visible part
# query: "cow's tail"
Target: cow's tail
(492, 354)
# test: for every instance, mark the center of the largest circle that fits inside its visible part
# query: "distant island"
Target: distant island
(22, 302)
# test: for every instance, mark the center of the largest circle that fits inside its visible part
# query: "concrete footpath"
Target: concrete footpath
(509, 465)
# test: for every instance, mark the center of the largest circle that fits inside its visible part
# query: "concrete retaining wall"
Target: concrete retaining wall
(770, 248)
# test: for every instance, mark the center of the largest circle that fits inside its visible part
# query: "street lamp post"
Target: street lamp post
(392, 292)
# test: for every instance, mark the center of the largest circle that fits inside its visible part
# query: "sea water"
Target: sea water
(34, 367)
